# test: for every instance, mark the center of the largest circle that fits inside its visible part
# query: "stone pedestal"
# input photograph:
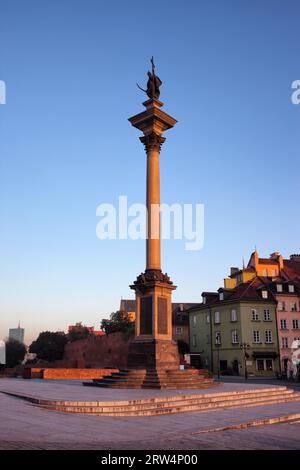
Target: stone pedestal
(153, 354)
(153, 346)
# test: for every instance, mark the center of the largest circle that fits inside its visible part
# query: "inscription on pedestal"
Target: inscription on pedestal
(162, 316)
(146, 316)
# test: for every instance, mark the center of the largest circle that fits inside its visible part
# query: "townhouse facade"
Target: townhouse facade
(257, 318)
(234, 332)
(287, 297)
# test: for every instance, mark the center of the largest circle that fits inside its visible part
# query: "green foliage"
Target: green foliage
(49, 346)
(15, 352)
(119, 321)
(79, 331)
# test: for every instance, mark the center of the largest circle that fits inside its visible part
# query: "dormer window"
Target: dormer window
(291, 288)
(204, 299)
(279, 287)
(221, 296)
(264, 294)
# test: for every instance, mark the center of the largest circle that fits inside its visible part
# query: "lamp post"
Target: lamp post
(244, 347)
(218, 344)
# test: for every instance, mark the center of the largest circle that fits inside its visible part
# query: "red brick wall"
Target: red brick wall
(97, 352)
(65, 374)
(32, 373)
(75, 374)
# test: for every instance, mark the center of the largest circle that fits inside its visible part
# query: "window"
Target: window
(255, 316)
(294, 307)
(267, 315)
(264, 272)
(269, 364)
(178, 330)
(279, 287)
(281, 306)
(291, 288)
(273, 272)
(256, 336)
(194, 320)
(204, 299)
(217, 317)
(295, 324)
(284, 342)
(260, 364)
(194, 340)
(221, 295)
(234, 337)
(207, 319)
(218, 337)
(233, 315)
(264, 364)
(283, 324)
(264, 294)
(269, 336)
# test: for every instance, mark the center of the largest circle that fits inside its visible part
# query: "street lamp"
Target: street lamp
(218, 345)
(218, 359)
(244, 347)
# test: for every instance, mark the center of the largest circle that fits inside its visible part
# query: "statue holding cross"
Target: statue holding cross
(153, 84)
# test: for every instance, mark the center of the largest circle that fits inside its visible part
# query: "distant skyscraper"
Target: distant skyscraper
(2, 353)
(17, 334)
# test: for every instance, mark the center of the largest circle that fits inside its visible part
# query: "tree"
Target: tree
(77, 332)
(15, 352)
(119, 321)
(49, 346)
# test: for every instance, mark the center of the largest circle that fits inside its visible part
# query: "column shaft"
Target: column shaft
(153, 204)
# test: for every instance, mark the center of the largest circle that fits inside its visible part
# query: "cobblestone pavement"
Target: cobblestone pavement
(24, 426)
(73, 390)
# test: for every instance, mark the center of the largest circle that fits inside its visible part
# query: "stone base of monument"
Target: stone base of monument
(153, 354)
(154, 364)
(156, 379)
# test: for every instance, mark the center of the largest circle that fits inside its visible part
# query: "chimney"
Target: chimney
(295, 258)
(233, 271)
(278, 257)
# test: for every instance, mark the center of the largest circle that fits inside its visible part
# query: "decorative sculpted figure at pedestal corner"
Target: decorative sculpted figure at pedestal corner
(153, 84)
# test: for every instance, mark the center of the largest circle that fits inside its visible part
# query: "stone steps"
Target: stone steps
(155, 378)
(168, 405)
(193, 400)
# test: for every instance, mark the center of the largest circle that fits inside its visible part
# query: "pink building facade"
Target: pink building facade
(288, 322)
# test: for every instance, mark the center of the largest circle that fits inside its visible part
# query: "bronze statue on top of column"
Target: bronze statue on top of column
(153, 84)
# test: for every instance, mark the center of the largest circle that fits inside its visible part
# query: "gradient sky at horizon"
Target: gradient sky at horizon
(71, 68)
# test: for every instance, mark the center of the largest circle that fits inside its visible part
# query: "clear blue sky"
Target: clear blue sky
(66, 146)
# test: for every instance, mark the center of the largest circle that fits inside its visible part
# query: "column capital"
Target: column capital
(152, 141)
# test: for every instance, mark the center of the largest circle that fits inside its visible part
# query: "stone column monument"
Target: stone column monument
(153, 347)
(153, 358)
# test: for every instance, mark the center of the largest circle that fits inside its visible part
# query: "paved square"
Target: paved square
(25, 426)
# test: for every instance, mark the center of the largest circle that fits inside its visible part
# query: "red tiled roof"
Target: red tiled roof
(292, 270)
(267, 261)
(245, 291)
